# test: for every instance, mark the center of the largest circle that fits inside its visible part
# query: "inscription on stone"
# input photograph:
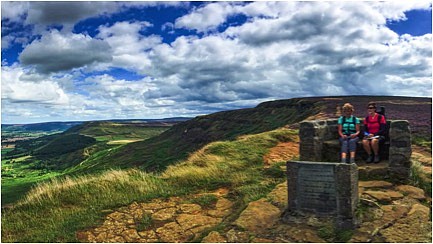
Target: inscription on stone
(316, 188)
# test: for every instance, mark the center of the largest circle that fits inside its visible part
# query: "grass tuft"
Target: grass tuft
(419, 178)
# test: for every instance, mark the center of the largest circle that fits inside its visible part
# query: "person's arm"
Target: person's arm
(382, 127)
(340, 131)
(357, 129)
(340, 128)
(366, 132)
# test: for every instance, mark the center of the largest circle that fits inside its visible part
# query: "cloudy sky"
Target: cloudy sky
(66, 61)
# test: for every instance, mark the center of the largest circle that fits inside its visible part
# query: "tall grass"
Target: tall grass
(420, 178)
(55, 210)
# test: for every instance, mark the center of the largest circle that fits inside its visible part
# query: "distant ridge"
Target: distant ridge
(64, 125)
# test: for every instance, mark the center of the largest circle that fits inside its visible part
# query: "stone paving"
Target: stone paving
(171, 220)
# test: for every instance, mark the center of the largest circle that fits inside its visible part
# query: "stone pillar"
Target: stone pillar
(311, 140)
(324, 189)
(400, 149)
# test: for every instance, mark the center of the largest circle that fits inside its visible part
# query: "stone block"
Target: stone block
(324, 189)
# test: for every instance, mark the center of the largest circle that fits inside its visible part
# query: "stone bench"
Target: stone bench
(319, 143)
(331, 144)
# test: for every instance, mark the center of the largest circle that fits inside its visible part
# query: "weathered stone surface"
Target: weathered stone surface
(223, 204)
(223, 208)
(380, 196)
(279, 196)
(148, 235)
(164, 214)
(261, 240)
(411, 191)
(234, 236)
(189, 221)
(173, 232)
(258, 216)
(415, 227)
(394, 194)
(327, 189)
(130, 235)
(298, 233)
(420, 210)
(190, 208)
(374, 184)
(385, 196)
(85, 235)
(214, 237)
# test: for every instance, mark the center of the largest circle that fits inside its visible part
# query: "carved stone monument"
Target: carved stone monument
(323, 189)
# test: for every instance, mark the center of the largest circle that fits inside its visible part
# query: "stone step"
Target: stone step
(373, 171)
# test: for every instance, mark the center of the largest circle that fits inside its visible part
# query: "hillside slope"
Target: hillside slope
(184, 138)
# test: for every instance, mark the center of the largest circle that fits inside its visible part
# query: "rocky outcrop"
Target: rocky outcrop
(387, 213)
(258, 217)
(173, 220)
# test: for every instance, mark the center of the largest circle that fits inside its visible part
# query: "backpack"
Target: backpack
(381, 110)
(353, 121)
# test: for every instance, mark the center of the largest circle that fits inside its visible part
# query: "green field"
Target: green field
(75, 151)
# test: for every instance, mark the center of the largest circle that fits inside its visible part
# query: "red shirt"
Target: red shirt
(373, 125)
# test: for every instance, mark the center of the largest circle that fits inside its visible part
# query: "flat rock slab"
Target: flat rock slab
(258, 216)
(173, 220)
(214, 237)
(375, 184)
(411, 191)
(385, 196)
(279, 196)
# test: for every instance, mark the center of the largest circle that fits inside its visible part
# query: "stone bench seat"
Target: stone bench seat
(331, 151)
(319, 143)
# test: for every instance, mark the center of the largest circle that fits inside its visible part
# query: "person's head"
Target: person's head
(348, 109)
(371, 107)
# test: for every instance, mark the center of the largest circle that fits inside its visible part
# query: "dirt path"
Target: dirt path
(283, 152)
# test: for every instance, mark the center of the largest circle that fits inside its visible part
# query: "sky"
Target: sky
(80, 61)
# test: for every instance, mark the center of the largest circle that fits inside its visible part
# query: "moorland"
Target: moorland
(65, 186)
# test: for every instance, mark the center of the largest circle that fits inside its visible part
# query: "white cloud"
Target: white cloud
(129, 46)
(206, 18)
(56, 51)
(16, 90)
(14, 11)
(394, 10)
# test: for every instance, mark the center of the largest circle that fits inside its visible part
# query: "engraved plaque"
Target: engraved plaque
(324, 189)
(316, 188)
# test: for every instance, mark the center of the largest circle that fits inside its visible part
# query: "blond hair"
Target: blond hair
(348, 106)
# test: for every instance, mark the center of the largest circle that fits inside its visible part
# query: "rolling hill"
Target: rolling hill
(184, 138)
(175, 144)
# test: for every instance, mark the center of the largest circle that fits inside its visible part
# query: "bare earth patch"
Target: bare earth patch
(283, 152)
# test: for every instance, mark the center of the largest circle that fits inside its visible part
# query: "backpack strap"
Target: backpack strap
(353, 122)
